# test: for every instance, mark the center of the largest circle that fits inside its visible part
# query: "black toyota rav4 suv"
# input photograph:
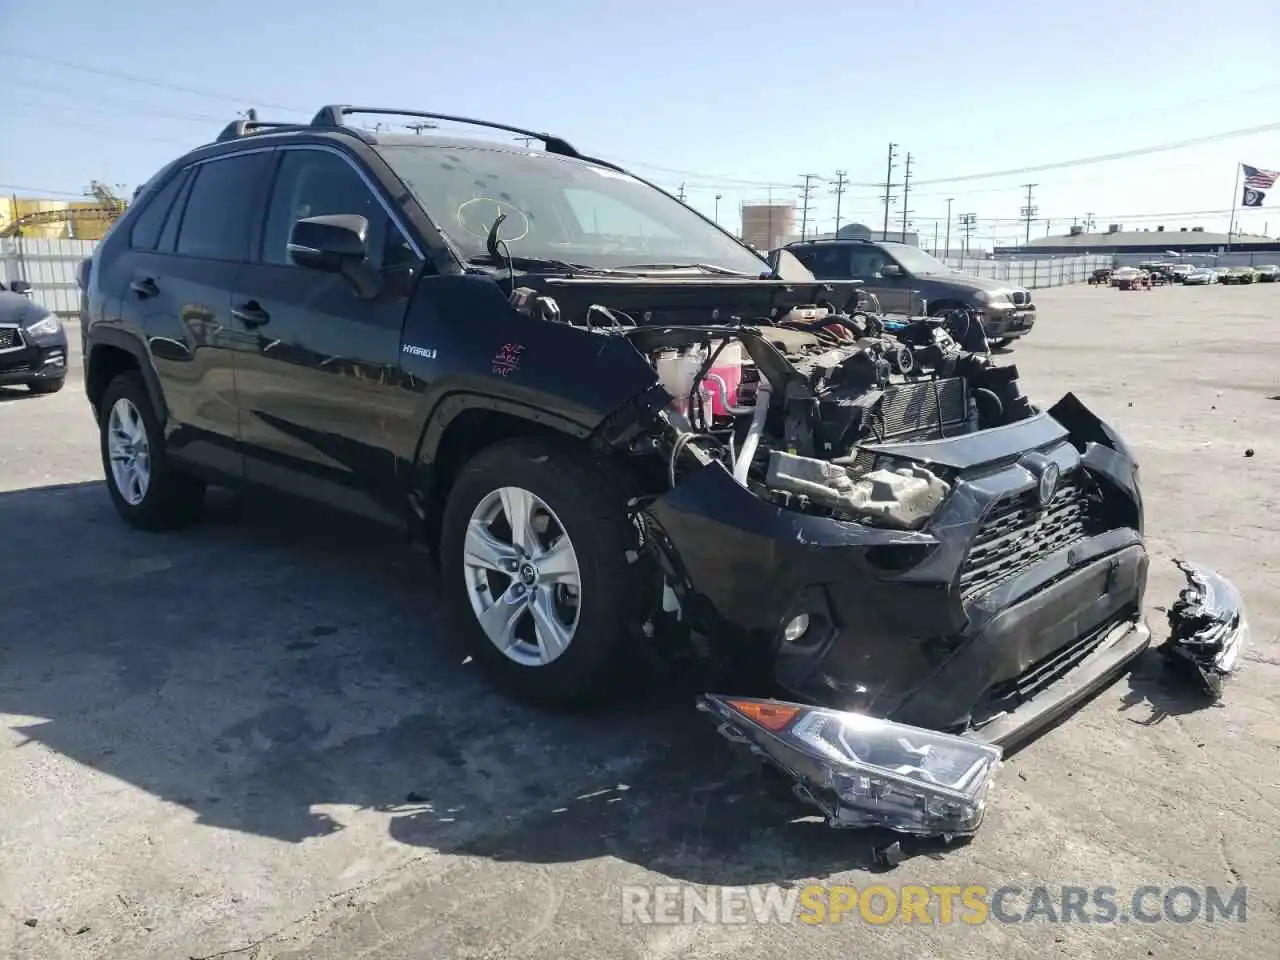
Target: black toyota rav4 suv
(618, 427)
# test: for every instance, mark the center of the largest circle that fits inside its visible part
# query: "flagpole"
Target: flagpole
(1235, 197)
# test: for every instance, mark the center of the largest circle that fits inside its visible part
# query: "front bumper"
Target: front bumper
(1008, 323)
(25, 358)
(896, 629)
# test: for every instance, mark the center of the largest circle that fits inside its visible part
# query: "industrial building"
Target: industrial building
(40, 218)
(1155, 241)
(766, 225)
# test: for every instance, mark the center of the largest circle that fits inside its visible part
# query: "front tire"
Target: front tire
(534, 554)
(145, 490)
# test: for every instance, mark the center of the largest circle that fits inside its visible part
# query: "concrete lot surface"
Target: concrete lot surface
(254, 738)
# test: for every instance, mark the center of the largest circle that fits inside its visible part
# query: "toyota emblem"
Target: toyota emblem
(1048, 483)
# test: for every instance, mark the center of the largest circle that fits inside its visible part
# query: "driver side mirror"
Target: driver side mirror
(891, 270)
(20, 286)
(331, 244)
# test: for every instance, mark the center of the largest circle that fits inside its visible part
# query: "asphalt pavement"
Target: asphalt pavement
(256, 738)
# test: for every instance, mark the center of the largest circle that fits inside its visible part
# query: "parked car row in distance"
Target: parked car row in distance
(1148, 275)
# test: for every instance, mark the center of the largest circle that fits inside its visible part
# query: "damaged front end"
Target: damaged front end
(910, 567)
(1208, 628)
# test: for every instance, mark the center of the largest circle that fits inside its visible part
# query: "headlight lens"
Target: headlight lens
(45, 327)
(868, 772)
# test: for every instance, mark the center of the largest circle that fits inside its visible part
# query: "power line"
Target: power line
(806, 191)
(147, 81)
(968, 222)
(888, 189)
(702, 175)
(838, 189)
(1029, 211)
(906, 191)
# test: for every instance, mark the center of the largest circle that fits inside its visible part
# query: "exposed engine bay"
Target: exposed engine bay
(797, 405)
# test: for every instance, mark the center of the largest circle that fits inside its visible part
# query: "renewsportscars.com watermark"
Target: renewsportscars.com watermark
(972, 904)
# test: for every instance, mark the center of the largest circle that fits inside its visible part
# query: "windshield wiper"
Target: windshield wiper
(534, 263)
(704, 267)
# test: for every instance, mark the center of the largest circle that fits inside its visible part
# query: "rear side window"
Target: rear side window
(220, 210)
(147, 227)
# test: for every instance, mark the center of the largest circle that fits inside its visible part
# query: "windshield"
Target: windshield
(915, 260)
(559, 209)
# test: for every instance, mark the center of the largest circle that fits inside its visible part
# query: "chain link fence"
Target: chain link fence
(1032, 274)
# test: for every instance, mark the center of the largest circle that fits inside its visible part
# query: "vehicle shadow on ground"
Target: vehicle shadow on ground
(278, 667)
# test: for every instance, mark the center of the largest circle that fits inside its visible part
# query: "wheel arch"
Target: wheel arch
(460, 426)
(109, 353)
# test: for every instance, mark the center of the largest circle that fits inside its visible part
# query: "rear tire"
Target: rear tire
(145, 490)
(560, 598)
(47, 386)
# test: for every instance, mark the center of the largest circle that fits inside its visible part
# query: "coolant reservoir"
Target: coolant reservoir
(728, 367)
(676, 372)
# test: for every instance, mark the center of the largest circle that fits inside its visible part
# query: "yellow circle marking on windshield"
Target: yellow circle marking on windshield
(466, 211)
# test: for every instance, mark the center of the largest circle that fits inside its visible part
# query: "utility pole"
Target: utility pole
(947, 243)
(888, 189)
(1088, 222)
(842, 179)
(718, 207)
(968, 222)
(805, 192)
(680, 195)
(906, 190)
(1029, 211)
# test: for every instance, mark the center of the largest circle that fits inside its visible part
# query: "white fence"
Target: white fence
(50, 267)
(1032, 274)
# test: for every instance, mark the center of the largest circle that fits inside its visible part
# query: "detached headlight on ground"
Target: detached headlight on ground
(45, 327)
(863, 771)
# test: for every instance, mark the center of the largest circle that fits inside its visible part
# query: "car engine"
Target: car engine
(796, 405)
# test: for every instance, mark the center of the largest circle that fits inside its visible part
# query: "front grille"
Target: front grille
(9, 338)
(1018, 533)
(1021, 298)
(14, 368)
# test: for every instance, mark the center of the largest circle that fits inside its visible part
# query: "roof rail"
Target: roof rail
(795, 243)
(246, 128)
(334, 116)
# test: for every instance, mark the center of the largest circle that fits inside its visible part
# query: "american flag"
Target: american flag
(1256, 179)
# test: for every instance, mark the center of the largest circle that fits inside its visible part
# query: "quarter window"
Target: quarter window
(150, 221)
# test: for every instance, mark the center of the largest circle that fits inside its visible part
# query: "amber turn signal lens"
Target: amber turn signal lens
(771, 716)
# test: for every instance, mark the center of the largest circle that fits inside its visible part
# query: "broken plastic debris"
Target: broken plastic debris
(1208, 627)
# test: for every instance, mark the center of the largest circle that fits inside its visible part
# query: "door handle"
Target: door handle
(144, 288)
(250, 314)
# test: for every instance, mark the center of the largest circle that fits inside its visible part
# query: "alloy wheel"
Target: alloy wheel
(129, 451)
(522, 574)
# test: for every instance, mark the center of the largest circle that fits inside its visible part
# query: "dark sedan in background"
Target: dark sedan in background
(33, 345)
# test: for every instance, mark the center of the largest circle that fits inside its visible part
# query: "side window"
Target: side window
(316, 183)
(146, 229)
(826, 261)
(221, 208)
(169, 236)
(867, 264)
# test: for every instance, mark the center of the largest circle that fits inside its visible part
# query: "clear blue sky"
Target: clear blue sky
(725, 97)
